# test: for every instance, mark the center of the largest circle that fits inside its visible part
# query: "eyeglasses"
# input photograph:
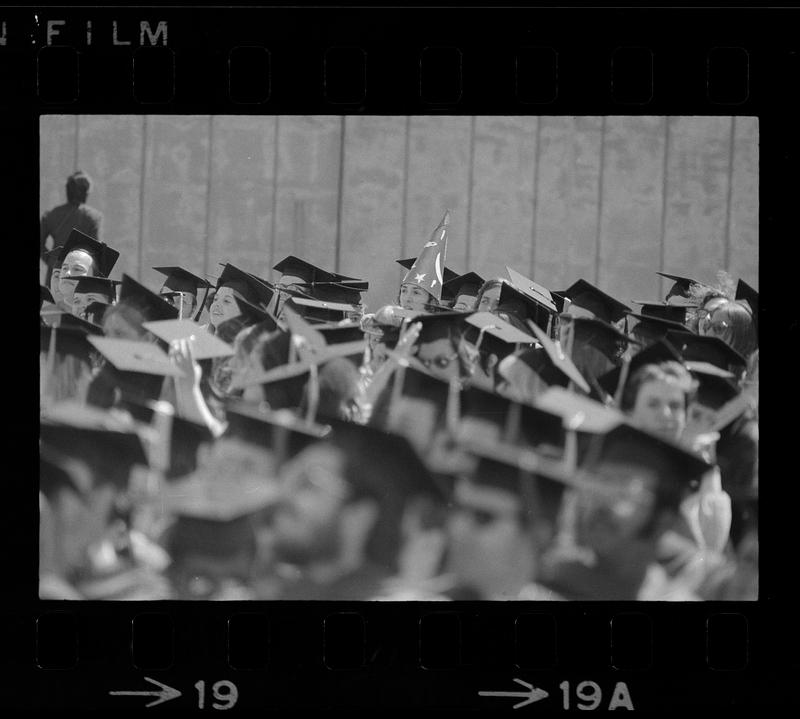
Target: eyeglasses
(440, 361)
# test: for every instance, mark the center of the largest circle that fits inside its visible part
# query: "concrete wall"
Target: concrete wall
(610, 199)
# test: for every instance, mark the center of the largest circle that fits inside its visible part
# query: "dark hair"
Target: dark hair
(78, 186)
(741, 333)
(132, 312)
(288, 393)
(669, 371)
(338, 387)
(488, 285)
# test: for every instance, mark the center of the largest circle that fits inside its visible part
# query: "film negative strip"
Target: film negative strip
(616, 139)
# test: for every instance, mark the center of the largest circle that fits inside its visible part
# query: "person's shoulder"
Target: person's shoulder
(91, 212)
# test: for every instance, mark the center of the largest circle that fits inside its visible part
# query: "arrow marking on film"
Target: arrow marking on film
(164, 693)
(532, 695)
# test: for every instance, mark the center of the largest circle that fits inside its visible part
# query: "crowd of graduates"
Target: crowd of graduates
(481, 438)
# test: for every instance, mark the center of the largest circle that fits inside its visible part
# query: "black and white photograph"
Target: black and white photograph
(401, 358)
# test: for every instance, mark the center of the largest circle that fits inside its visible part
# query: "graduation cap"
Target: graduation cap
(97, 285)
(349, 335)
(96, 311)
(578, 412)
(467, 284)
(204, 345)
(134, 356)
(601, 335)
(179, 279)
(550, 362)
(656, 353)
(653, 321)
(245, 286)
(58, 471)
(440, 325)
(45, 296)
(66, 320)
(716, 387)
(525, 306)
(108, 450)
(105, 257)
(706, 348)
(342, 291)
(379, 461)
(295, 267)
(319, 311)
(747, 293)
(491, 334)
(538, 293)
(58, 343)
(682, 286)
(676, 469)
(601, 305)
(152, 306)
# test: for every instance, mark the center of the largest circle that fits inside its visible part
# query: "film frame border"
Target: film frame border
(451, 678)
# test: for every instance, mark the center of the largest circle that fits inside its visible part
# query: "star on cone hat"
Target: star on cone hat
(428, 271)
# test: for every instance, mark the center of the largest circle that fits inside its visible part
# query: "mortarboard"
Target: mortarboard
(180, 280)
(675, 314)
(60, 342)
(682, 285)
(467, 284)
(676, 469)
(349, 334)
(716, 387)
(649, 328)
(135, 356)
(108, 447)
(342, 291)
(57, 471)
(747, 293)
(440, 325)
(654, 354)
(319, 311)
(578, 412)
(550, 362)
(105, 257)
(204, 345)
(601, 335)
(152, 306)
(66, 320)
(525, 306)
(601, 305)
(382, 461)
(96, 311)
(699, 348)
(98, 285)
(245, 286)
(538, 293)
(295, 267)
(490, 333)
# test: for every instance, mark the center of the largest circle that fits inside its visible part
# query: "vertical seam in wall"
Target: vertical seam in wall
(142, 186)
(77, 143)
(209, 172)
(535, 195)
(403, 221)
(470, 188)
(274, 223)
(728, 210)
(340, 200)
(599, 202)
(664, 195)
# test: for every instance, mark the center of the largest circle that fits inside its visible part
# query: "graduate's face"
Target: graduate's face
(306, 522)
(413, 297)
(705, 317)
(490, 299)
(55, 278)
(76, 264)
(440, 358)
(176, 298)
(606, 522)
(486, 538)
(465, 303)
(224, 307)
(81, 300)
(660, 408)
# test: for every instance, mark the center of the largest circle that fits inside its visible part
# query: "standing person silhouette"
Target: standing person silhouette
(74, 213)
